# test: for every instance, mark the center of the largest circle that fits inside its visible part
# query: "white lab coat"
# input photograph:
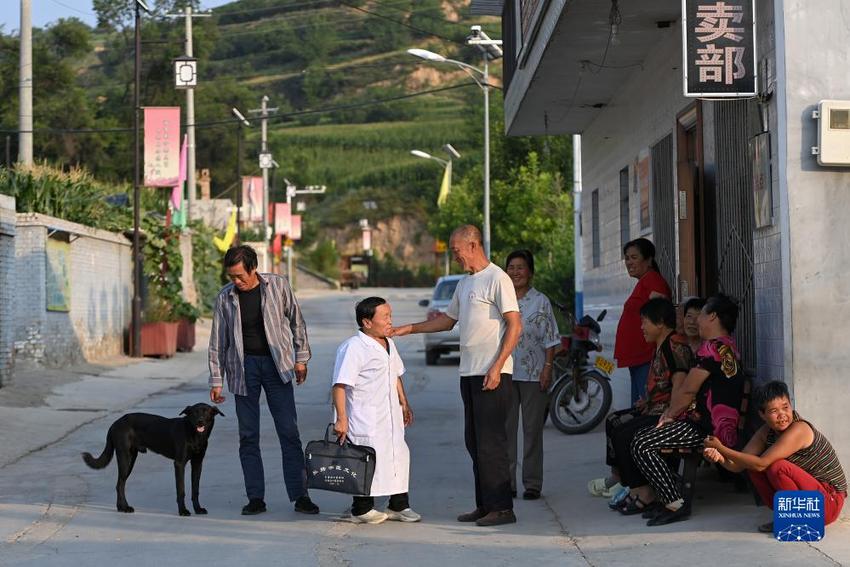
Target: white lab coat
(375, 419)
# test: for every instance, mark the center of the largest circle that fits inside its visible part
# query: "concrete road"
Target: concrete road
(55, 511)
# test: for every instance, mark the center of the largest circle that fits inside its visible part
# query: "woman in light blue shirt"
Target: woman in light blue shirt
(532, 373)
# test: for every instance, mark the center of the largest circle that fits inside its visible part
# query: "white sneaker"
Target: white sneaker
(406, 515)
(370, 517)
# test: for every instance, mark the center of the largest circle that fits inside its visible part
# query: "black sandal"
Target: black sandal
(653, 510)
(668, 516)
(635, 506)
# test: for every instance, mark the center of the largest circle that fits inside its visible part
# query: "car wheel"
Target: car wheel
(431, 357)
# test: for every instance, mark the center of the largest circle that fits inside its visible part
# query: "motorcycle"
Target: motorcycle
(580, 393)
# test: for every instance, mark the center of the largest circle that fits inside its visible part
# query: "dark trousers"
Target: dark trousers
(639, 376)
(261, 373)
(620, 429)
(363, 504)
(485, 431)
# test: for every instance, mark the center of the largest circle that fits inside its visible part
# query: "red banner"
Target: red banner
(252, 199)
(162, 146)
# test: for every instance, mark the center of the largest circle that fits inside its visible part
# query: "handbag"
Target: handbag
(346, 468)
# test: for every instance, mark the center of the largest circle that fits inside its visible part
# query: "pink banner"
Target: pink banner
(296, 228)
(282, 218)
(162, 146)
(252, 199)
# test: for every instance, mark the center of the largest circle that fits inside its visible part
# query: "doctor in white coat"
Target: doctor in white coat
(372, 410)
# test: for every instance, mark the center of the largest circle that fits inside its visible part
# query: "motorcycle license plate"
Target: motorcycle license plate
(605, 365)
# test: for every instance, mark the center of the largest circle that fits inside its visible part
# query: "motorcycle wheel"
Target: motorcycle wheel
(573, 414)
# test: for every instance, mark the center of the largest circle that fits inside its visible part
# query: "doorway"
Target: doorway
(694, 254)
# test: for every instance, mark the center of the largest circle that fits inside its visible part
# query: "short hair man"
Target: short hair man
(259, 342)
(485, 305)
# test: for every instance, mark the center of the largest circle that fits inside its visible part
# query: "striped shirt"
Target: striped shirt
(818, 459)
(286, 333)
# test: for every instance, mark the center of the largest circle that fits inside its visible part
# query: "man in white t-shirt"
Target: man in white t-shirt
(486, 307)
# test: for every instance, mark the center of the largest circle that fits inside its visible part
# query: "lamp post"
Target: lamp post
(292, 191)
(136, 351)
(240, 122)
(453, 153)
(490, 51)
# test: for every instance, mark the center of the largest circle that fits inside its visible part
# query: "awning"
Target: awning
(572, 65)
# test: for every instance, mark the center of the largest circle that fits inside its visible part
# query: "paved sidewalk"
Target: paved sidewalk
(47, 404)
(55, 511)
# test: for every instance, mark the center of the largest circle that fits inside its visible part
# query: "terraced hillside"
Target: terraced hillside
(325, 65)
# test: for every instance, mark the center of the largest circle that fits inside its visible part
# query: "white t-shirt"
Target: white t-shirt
(479, 301)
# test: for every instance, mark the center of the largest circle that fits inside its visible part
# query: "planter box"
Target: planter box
(159, 339)
(185, 335)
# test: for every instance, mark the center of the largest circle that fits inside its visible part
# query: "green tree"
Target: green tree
(529, 208)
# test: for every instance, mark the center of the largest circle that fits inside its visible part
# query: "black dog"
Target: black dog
(181, 439)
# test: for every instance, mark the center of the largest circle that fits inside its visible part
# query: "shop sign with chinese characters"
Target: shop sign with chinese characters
(719, 48)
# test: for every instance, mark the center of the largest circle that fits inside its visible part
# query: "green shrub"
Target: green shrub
(324, 259)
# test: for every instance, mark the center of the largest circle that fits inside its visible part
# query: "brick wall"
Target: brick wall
(101, 290)
(7, 261)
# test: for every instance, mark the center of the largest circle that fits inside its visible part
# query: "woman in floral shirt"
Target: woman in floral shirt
(532, 373)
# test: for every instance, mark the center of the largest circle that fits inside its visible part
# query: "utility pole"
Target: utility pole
(577, 243)
(264, 149)
(25, 136)
(266, 163)
(486, 87)
(136, 342)
(190, 111)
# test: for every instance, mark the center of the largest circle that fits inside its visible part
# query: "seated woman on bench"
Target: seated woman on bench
(707, 403)
(786, 453)
(669, 366)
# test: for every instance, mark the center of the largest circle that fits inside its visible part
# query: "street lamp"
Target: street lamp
(446, 185)
(136, 351)
(240, 122)
(292, 191)
(426, 155)
(490, 50)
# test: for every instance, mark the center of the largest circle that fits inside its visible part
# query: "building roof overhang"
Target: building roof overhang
(572, 69)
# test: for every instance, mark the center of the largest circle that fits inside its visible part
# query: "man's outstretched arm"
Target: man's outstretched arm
(441, 323)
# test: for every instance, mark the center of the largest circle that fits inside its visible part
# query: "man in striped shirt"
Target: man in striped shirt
(259, 342)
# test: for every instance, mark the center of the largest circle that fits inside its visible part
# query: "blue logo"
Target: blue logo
(798, 515)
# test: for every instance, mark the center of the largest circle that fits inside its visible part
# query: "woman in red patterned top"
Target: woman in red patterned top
(671, 362)
(630, 348)
(706, 404)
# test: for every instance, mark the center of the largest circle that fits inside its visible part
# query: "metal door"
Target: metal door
(734, 218)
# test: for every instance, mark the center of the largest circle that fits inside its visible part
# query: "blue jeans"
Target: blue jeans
(260, 372)
(639, 376)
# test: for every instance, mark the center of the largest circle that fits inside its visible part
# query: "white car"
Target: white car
(444, 341)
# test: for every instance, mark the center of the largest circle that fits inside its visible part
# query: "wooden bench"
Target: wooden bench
(692, 458)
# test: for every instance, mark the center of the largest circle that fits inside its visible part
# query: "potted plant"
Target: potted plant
(187, 315)
(159, 329)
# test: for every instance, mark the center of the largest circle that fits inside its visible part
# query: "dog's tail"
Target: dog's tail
(104, 459)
